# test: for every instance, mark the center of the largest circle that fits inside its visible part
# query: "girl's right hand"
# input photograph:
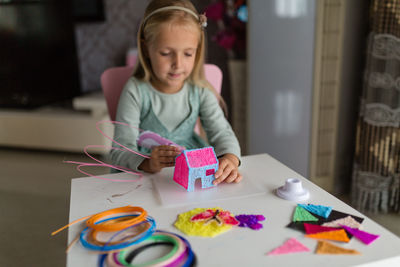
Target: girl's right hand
(161, 157)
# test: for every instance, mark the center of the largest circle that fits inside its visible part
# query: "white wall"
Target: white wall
(280, 65)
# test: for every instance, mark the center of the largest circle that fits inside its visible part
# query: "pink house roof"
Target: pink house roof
(201, 157)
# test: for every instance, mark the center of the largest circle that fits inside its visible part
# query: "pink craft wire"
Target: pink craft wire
(103, 164)
(112, 260)
(115, 142)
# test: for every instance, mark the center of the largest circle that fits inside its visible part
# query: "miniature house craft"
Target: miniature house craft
(196, 163)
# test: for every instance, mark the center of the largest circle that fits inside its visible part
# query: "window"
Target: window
(210, 172)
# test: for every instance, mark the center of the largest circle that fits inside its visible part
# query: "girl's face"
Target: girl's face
(172, 56)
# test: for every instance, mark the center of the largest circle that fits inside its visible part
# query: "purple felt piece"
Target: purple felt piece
(365, 237)
(251, 221)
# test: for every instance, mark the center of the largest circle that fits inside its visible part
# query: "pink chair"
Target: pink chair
(113, 81)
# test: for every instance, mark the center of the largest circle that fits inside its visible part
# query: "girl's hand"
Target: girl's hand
(161, 157)
(228, 170)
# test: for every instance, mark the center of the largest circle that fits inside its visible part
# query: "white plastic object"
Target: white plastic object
(293, 190)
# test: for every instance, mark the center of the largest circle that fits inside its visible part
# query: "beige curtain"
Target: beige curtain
(376, 179)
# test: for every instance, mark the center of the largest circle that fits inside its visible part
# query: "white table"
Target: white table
(241, 246)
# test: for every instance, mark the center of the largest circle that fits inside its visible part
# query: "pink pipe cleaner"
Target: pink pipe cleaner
(103, 164)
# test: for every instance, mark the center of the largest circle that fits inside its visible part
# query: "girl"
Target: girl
(168, 92)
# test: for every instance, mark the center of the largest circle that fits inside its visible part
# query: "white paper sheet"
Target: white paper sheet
(173, 194)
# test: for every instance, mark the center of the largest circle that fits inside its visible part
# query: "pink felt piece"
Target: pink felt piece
(365, 237)
(181, 171)
(315, 228)
(348, 221)
(203, 215)
(227, 217)
(290, 246)
(201, 157)
(210, 172)
(222, 217)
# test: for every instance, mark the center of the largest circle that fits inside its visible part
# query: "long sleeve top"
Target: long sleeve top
(172, 116)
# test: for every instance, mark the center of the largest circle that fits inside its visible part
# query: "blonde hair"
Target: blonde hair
(149, 29)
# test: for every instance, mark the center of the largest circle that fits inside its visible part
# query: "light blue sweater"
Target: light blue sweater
(172, 116)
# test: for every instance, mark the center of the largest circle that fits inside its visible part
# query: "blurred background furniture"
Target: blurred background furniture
(376, 175)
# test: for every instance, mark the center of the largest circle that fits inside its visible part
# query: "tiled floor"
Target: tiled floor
(34, 201)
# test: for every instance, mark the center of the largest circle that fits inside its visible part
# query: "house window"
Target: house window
(210, 172)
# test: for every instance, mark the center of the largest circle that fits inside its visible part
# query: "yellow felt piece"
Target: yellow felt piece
(199, 228)
(324, 247)
(339, 235)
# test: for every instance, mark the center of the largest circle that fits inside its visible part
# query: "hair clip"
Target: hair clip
(203, 20)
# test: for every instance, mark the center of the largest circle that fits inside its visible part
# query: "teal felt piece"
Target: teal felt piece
(323, 211)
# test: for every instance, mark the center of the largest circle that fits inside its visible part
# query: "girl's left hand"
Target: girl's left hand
(228, 170)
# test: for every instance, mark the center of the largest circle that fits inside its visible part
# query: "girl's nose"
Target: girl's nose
(177, 61)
